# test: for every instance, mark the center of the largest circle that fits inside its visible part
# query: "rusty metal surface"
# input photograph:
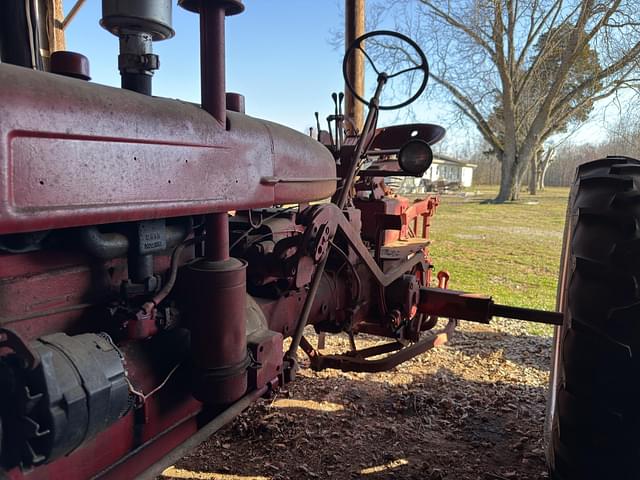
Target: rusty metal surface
(70, 64)
(42, 293)
(205, 431)
(528, 314)
(409, 213)
(283, 312)
(384, 278)
(235, 102)
(105, 155)
(217, 238)
(266, 353)
(452, 303)
(93, 160)
(212, 59)
(477, 308)
(73, 154)
(373, 209)
(216, 304)
(360, 362)
(393, 137)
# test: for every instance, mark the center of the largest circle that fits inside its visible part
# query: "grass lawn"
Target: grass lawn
(509, 251)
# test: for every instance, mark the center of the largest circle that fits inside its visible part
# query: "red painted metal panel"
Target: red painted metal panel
(168, 427)
(385, 206)
(41, 295)
(96, 455)
(53, 173)
(153, 453)
(75, 153)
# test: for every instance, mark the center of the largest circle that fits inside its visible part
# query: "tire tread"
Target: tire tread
(596, 429)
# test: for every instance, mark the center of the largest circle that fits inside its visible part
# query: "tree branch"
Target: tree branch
(459, 25)
(545, 50)
(612, 69)
(603, 21)
(469, 109)
(534, 30)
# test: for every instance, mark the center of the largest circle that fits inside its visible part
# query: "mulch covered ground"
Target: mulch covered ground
(473, 409)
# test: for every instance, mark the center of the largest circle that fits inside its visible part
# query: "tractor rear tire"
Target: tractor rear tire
(594, 401)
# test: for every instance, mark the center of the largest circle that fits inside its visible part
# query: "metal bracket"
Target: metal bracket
(359, 361)
(14, 342)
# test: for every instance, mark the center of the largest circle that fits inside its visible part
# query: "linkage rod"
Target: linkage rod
(478, 308)
(528, 314)
(342, 201)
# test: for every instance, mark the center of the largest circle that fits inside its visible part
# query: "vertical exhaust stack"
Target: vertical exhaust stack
(137, 23)
(217, 282)
(212, 41)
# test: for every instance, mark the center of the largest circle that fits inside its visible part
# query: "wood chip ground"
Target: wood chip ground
(473, 409)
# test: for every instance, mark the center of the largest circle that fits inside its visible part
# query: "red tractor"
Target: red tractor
(137, 316)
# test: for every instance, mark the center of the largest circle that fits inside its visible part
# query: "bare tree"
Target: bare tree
(540, 163)
(622, 138)
(624, 135)
(493, 53)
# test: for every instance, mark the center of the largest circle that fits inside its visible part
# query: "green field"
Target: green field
(509, 251)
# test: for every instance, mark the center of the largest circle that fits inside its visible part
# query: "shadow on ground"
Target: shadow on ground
(468, 411)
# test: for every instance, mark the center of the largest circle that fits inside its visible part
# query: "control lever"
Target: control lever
(359, 149)
(317, 126)
(330, 132)
(340, 118)
(334, 96)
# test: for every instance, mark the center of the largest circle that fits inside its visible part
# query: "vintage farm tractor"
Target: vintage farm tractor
(138, 316)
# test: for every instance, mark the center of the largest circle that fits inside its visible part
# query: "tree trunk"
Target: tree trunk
(507, 180)
(510, 181)
(521, 175)
(513, 173)
(543, 172)
(544, 166)
(533, 174)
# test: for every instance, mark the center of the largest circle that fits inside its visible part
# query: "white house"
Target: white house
(444, 173)
(450, 170)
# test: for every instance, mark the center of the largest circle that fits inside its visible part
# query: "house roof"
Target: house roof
(446, 159)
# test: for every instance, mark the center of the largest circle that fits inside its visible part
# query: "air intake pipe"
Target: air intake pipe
(137, 23)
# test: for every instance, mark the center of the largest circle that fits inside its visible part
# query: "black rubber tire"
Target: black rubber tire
(595, 429)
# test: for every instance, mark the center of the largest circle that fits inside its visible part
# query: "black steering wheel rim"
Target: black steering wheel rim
(424, 66)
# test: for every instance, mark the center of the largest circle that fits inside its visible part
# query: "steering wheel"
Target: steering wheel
(422, 66)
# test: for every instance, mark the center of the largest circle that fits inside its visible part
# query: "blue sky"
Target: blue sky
(278, 56)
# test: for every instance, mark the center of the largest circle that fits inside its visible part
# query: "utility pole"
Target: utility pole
(55, 18)
(353, 28)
